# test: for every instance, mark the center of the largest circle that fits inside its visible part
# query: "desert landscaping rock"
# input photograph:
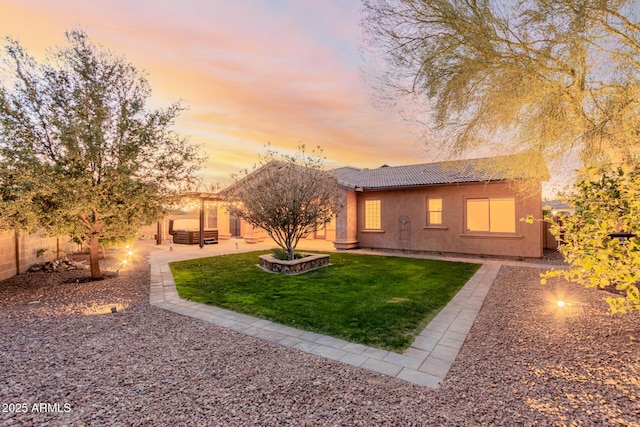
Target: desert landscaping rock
(524, 362)
(59, 265)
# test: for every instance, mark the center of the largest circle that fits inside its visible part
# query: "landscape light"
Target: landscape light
(561, 303)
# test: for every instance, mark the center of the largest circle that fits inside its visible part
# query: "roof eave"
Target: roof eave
(438, 184)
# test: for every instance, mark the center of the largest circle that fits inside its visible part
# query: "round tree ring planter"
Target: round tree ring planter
(298, 266)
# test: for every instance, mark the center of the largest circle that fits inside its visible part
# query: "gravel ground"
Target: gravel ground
(525, 362)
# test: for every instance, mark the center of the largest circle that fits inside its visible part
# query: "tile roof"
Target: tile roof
(429, 174)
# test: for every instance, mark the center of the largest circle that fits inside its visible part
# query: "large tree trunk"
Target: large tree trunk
(94, 226)
(94, 256)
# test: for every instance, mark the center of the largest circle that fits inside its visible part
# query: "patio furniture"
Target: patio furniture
(192, 237)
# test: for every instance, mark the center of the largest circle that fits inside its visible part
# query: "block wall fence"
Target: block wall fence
(17, 255)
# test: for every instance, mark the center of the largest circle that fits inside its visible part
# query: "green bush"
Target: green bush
(282, 255)
(605, 201)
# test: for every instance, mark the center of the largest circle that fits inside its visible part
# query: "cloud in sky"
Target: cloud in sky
(251, 72)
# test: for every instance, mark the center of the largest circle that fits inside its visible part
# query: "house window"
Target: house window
(434, 210)
(492, 215)
(372, 215)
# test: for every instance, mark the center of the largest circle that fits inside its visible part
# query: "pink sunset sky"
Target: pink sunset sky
(251, 72)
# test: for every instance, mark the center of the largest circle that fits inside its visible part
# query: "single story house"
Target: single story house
(465, 206)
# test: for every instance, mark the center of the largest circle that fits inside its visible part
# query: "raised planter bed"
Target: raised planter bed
(307, 263)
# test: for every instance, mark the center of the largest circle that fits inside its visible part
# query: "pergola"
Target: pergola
(202, 198)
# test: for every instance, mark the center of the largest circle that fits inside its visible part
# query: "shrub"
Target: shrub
(605, 201)
(282, 255)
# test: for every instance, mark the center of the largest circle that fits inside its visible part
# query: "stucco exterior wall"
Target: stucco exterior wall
(328, 232)
(403, 222)
(347, 223)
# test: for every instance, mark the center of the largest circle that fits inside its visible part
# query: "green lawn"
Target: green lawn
(379, 301)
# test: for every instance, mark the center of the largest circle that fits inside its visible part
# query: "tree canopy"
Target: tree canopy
(288, 196)
(557, 77)
(80, 152)
(605, 201)
(553, 76)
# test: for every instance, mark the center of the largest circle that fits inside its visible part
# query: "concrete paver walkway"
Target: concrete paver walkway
(426, 362)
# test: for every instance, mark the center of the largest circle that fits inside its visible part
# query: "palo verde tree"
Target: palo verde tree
(287, 195)
(80, 152)
(552, 76)
(605, 201)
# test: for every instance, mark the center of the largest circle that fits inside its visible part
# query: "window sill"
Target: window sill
(435, 227)
(372, 231)
(492, 236)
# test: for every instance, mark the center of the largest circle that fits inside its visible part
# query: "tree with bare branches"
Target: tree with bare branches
(553, 76)
(287, 195)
